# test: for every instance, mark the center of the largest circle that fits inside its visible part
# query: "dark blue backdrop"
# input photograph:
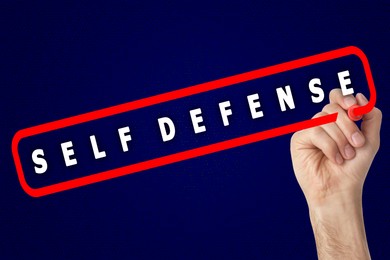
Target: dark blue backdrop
(59, 60)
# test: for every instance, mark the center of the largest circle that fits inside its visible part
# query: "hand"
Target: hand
(332, 160)
(331, 163)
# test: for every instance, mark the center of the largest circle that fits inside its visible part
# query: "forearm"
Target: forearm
(339, 231)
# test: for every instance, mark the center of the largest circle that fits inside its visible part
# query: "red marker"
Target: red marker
(352, 115)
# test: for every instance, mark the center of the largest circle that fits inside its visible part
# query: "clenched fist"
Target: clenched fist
(331, 163)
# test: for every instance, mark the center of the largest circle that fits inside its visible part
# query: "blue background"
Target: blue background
(59, 60)
(146, 140)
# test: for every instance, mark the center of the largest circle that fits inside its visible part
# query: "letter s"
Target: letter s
(40, 161)
(315, 89)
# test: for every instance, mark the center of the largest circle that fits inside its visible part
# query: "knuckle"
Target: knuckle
(340, 139)
(293, 137)
(377, 112)
(296, 136)
(374, 147)
(349, 128)
(316, 131)
(330, 147)
(293, 141)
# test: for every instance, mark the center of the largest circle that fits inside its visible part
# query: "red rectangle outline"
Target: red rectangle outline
(185, 92)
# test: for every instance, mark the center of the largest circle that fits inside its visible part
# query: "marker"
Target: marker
(352, 115)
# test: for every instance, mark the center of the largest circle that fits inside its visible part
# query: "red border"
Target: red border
(185, 92)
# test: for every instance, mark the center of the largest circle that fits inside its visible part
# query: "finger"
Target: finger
(371, 124)
(350, 130)
(336, 96)
(346, 150)
(320, 139)
(317, 138)
(301, 140)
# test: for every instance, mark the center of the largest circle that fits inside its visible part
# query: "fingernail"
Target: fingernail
(339, 159)
(349, 151)
(358, 139)
(349, 101)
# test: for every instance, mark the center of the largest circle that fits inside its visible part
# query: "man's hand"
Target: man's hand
(331, 163)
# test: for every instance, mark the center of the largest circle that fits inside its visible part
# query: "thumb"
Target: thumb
(371, 123)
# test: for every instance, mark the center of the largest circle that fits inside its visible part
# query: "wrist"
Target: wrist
(342, 215)
(344, 198)
(339, 229)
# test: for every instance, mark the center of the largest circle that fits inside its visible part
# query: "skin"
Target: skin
(331, 163)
